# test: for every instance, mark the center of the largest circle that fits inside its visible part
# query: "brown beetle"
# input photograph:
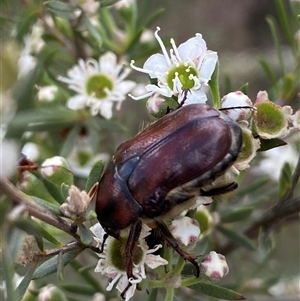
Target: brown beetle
(159, 173)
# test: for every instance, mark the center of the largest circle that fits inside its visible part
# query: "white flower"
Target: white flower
(182, 73)
(98, 84)
(113, 266)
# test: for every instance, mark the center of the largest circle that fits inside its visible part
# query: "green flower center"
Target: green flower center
(185, 74)
(97, 86)
(117, 254)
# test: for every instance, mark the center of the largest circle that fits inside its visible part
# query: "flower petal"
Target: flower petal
(193, 48)
(155, 65)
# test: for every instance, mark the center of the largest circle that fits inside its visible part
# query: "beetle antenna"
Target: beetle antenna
(238, 108)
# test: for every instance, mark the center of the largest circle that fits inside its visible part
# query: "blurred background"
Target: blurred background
(238, 31)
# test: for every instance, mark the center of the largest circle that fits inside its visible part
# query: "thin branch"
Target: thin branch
(47, 253)
(36, 210)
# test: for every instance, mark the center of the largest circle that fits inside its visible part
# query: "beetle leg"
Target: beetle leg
(219, 190)
(174, 244)
(134, 235)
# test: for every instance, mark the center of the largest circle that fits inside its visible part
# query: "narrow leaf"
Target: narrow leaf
(244, 88)
(50, 266)
(216, 291)
(21, 289)
(69, 143)
(94, 175)
(237, 215)
(50, 206)
(79, 288)
(268, 70)
(60, 267)
(61, 9)
(238, 238)
(266, 144)
(54, 190)
(274, 31)
(285, 179)
(85, 234)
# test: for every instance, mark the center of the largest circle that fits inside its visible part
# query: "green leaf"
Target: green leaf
(85, 234)
(93, 31)
(21, 289)
(216, 291)
(237, 215)
(94, 175)
(50, 266)
(8, 273)
(153, 294)
(79, 288)
(61, 9)
(51, 238)
(65, 190)
(54, 190)
(28, 225)
(244, 88)
(266, 144)
(288, 31)
(274, 31)
(108, 2)
(269, 72)
(44, 119)
(49, 206)
(285, 179)
(69, 143)
(238, 238)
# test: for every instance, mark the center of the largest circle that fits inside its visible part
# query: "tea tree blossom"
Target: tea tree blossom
(98, 85)
(188, 67)
(112, 263)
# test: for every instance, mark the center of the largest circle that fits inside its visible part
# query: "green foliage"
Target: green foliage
(39, 238)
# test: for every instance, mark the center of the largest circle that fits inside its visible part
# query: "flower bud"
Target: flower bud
(47, 93)
(51, 293)
(56, 169)
(157, 105)
(214, 266)
(237, 99)
(186, 231)
(99, 297)
(271, 120)
(77, 204)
